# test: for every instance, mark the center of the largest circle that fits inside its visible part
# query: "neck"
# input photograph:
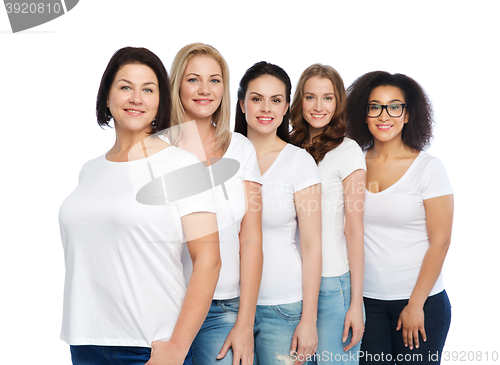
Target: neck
(206, 132)
(126, 140)
(263, 143)
(388, 149)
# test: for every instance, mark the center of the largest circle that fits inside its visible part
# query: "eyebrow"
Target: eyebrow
(392, 101)
(272, 96)
(307, 92)
(130, 82)
(195, 74)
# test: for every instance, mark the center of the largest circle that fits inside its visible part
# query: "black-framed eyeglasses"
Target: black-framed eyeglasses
(394, 110)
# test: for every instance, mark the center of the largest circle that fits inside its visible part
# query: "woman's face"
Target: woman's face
(319, 102)
(265, 104)
(134, 98)
(385, 128)
(201, 88)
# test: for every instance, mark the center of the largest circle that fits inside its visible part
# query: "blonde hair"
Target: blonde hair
(221, 117)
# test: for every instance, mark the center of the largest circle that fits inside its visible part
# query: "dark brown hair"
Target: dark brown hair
(257, 70)
(417, 132)
(141, 56)
(333, 133)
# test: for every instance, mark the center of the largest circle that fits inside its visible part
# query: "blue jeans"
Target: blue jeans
(381, 335)
(333, 303)
(109, 355)
(273, 330)
(113, 355)
(213, 333)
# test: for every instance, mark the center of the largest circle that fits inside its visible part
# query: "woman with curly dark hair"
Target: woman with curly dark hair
(407, 221)
(318, 120)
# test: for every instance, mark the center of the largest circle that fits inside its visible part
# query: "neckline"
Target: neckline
(275, 160)
(136, 161)
(400, 179)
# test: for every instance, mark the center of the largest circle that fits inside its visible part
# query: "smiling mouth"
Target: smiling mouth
(318, 116)
(384, 127)
(134, 111)
(203, 101)
(265, 120)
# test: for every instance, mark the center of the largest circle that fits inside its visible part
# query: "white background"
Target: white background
(49, 78)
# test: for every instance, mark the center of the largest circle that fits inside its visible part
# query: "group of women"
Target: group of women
(294, 234)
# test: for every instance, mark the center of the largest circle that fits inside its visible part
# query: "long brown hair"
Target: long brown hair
(334, 132)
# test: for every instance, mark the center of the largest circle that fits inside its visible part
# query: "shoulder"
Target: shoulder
(428, 162)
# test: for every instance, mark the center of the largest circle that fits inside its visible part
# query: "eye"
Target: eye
(215, 80)
(125, 87)
(374, 107)
(276, 101)
(256, 99)
(328, 98)
(192, 79)
(148, 90)
(395, 106)
(309, 97)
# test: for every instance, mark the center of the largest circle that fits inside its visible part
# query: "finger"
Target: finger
(223, 351)
(405, 337)
(424, 335)
(400, 322)
(349, 346)
(293, 348)
(410, 339)
(416, 341)
(345, 334)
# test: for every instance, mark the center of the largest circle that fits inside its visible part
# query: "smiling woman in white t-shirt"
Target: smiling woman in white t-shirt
(408, 220)
(201, 111)
(125, 300)
(318, 122)
(285, 319)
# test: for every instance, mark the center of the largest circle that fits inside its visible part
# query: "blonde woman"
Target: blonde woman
(200, 101)
(318, 122)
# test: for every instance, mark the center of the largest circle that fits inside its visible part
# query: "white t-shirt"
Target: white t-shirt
(124, 284)
(230, 213)
(337, 164)
(293, 170)
(396, 237)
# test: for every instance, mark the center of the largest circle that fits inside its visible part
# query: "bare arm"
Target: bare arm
(308, 206)
(241, 336)
(354, 196)
(439, 219)
(204, 253)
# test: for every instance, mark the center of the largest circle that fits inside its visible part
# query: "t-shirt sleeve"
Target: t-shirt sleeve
(251, 166)
(351, 159)
(305, 171)
(435, 182)
(204, 200)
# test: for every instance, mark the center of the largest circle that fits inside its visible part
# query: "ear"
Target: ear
(242, 106)
(407, 116)
(286, 109)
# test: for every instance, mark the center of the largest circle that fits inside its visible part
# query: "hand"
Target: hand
(354, 320)
(304, 341)
(240, 339)
(411, 319)
(166, 353)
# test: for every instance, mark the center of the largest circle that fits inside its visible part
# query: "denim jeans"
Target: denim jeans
(333, 303)
(109, 355)
(381, 335)
(213, 333)
(113, 355)
(273, 330)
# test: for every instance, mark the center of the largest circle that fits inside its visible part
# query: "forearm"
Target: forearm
(311, 280)
(197, 300)
(251, 260)
(356, 256)
(429, 272)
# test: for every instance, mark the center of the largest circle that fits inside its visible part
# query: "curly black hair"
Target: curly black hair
(416, 134)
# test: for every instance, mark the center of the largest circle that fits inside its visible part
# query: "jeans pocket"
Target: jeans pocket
(290, 312)
(230, 305)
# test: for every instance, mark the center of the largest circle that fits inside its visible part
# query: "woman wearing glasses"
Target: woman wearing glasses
(407, 221)
(318, 121)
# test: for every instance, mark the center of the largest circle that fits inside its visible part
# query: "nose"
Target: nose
(203, 88)
(266, 105)
(136, 97)
(385, 114)
(317, 104)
